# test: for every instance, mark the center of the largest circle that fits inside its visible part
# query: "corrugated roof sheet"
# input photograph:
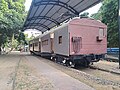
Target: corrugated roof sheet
(46, 14)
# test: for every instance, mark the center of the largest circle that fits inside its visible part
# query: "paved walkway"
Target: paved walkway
(59, 80)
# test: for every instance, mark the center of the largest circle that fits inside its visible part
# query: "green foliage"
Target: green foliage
(21, 38)
(110, 17)
(108, 14)
(97, 15)
(14, 42)
(12, 15)
(84, 15)
(27, 39)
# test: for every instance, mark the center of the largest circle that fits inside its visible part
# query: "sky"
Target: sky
(27, 4)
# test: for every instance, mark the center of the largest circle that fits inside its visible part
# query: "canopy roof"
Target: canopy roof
(46, 14)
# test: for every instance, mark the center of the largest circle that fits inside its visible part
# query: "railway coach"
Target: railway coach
(80, 41)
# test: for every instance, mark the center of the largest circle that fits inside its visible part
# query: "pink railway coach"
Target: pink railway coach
(78, 42)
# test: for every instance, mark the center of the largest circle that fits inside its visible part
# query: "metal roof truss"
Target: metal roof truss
(46, 14)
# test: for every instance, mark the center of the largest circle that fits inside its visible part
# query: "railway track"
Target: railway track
(105, 70)
(112, 57)
(91, 76)
(97, 75)
(96, 68)
(101, 76)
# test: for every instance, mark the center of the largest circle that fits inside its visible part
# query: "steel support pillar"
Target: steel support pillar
(119, 32)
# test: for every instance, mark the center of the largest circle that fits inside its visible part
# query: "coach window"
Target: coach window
(30, 45)
(101, 32)
(60, 39)
(36, 44)
(45, 42)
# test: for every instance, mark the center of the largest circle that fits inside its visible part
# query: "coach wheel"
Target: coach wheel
(86, 63)
(55, 59)
(52, 58)
(71, 64)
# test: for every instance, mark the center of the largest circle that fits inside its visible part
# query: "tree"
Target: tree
(97, 15)
(27, 39)
(12, 15)
(84, 15)
(110, 17)
(108, 14)
(21, 38)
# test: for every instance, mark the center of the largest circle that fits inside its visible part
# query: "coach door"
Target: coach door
(77, 44)
(39, 47)
(51, 45)
(33, 46)
(52, 42)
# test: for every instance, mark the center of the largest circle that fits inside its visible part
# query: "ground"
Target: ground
(28, 79)
(17, 74)
(21, 71)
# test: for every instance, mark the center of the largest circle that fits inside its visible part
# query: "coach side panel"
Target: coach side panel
(88, 42)
(45, 44)
(61, 41)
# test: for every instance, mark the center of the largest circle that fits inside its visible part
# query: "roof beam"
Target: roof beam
(34, 28)
(30, 28)
(41, 11)
(44, 17)
(37, 24)
(58, 3)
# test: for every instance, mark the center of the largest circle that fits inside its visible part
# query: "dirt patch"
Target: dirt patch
(7, 68)
(28, 79)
